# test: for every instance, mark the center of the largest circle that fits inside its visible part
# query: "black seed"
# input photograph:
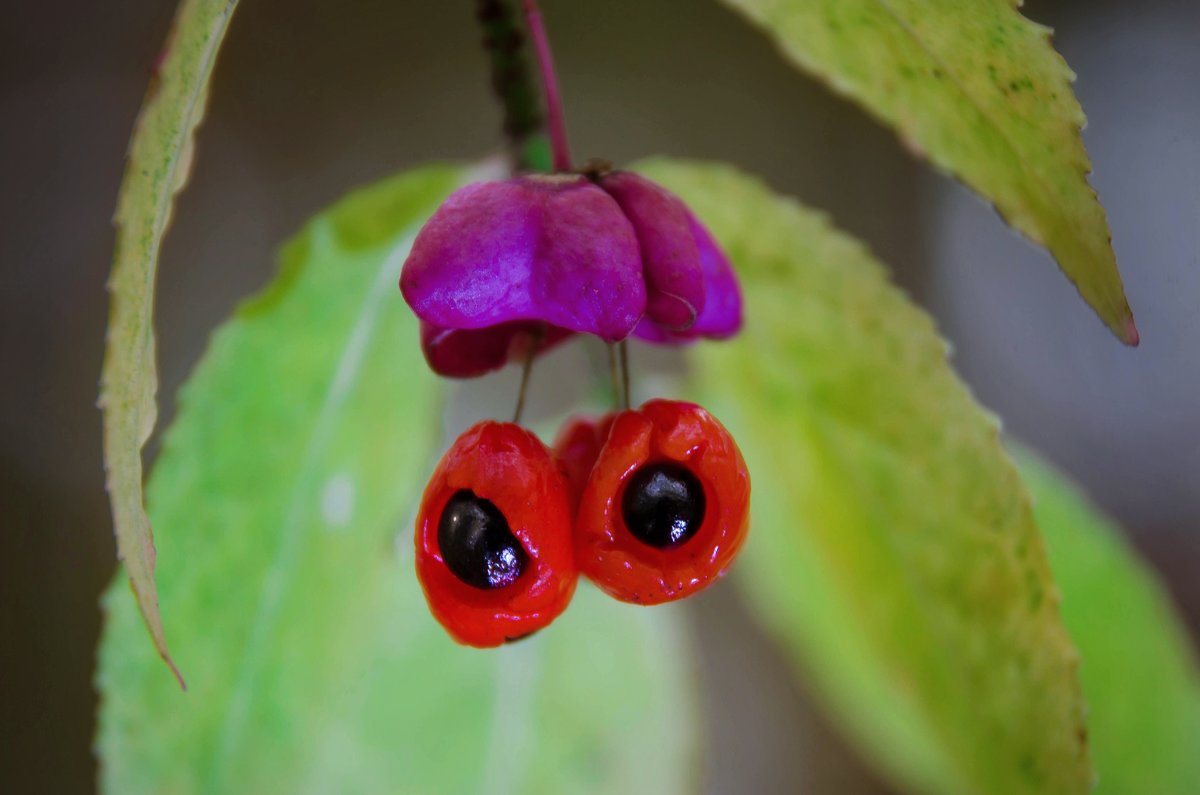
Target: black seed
(477, 544)
(663, 505)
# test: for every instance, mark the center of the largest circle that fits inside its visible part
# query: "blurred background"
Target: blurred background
(313, 98)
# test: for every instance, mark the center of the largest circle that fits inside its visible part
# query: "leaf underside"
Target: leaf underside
(1140, 672)
(979, 90)
(893, 552)
(285, 493)
(158, 163)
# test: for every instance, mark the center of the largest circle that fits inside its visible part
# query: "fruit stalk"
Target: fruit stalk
(554, 109)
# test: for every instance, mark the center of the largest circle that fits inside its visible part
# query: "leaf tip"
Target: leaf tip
(148, 606)
(166, 657)
(1129, 334)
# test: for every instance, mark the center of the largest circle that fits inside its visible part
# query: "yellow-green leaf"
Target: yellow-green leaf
(1141, 678)
(285, 495)
(979, 90)
(158, 161)
(893, 552)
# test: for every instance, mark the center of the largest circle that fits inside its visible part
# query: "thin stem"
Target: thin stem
(554, 109)
(513, 83)
(614, 373)
(535, 342)
(623, 349)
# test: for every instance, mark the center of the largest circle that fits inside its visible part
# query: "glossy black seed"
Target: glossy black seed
(663, 505)
(477, 544)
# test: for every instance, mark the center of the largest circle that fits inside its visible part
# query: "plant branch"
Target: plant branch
(513, 84)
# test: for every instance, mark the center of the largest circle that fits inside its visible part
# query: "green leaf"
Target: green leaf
(1140, 673)
(159, 158)
(893, 552)
(285, 493)
(980, 91)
